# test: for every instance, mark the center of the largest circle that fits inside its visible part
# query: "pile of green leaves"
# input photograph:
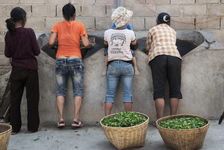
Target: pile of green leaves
(183, 123)
(124, 119)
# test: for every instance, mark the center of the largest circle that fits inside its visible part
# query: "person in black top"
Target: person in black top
(22, 48)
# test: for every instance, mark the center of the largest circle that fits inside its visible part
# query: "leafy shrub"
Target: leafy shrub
(183, 123)
(124, 119)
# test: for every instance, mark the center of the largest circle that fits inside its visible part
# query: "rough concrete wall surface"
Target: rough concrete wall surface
(203, 83)
(202, 86)
(3, 83)
(95, 86)
(95, 14)
(202, 75)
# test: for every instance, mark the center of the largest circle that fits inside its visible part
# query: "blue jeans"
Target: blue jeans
(119, 71)
(73, 68)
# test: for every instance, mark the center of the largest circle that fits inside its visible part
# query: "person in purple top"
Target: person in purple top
(22, 48)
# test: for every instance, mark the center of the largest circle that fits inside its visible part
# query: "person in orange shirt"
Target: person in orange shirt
(69, 63)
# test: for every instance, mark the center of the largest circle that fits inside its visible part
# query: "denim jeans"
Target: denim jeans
(69, 68)
(119, 71)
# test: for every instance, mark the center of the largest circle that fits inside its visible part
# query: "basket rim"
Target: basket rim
(177, 116)
(8, 125)
(147, 120)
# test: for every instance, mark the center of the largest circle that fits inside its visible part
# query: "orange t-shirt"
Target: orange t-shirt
(69, 34)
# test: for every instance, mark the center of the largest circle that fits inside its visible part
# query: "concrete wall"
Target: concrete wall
(95, 14)
(202, 76)
(202, 88)
(202, 85)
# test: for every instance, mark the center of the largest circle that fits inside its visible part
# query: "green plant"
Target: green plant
(124, 119)
(183, 123)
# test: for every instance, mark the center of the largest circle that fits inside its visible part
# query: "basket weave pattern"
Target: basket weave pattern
(126, 137)
(5, 132)
(189, 139)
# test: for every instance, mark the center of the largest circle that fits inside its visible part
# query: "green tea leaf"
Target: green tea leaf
(124, 119)
(36, 139)
(183, 123)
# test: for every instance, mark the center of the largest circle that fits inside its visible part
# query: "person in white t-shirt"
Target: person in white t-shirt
(137, 72)
(119, 42)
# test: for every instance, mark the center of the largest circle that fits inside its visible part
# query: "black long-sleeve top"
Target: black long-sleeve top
(22, 47)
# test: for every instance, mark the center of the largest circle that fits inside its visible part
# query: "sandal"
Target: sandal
(76, 124)
(61, 124)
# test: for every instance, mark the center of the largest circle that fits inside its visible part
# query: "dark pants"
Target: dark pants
(20, 78)
(166, 68)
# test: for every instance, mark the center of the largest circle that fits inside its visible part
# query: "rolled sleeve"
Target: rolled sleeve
(55, 28)
(133, 37)
(83, 31)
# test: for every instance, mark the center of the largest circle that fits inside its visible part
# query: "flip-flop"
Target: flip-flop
(76, 124)
(61, 124)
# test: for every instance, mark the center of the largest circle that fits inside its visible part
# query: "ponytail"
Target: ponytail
(11, 25)
(17, 14)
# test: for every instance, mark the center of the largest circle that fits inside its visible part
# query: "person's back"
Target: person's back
(129, 27)
(165, 64)
(120, 67)
(163, 41)
(21, 46)
(69, 35)
(162, 33)
(69, 62)
(119, 42)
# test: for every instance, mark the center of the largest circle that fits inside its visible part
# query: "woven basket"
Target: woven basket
(126, 137)
(184, 139)
(5, 132)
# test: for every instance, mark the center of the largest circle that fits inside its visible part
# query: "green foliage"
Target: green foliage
(36, 139)
(183, 123)
(124, 119)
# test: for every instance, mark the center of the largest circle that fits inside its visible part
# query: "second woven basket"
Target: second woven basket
(126, 137)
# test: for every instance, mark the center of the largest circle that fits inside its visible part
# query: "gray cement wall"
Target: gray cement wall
(202, 85)
(95, 14)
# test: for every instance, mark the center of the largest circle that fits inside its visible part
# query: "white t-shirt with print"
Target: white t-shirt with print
(119, 44)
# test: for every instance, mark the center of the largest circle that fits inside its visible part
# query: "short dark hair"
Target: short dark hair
(163, 18)
(68, 11)
(17, 14)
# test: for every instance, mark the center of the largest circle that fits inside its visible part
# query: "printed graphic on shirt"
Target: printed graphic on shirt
(117, 41)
